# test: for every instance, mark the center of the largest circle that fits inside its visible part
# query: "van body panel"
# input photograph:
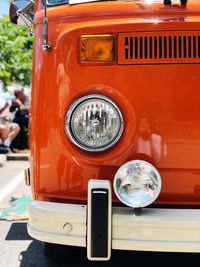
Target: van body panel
(161, 97)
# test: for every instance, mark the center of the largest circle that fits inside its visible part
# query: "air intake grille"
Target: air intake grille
(158, 47)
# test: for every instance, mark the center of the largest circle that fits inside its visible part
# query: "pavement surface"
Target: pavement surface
(18, 249)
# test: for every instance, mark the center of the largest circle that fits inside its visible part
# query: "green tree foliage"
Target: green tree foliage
(15, 53)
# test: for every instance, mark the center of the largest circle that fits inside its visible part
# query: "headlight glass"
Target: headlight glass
(137, 183)
(94, 123)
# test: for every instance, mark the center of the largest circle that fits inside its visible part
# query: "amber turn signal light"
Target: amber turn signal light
(97, 48)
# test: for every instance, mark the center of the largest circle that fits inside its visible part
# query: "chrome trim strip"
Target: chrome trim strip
(75, 2)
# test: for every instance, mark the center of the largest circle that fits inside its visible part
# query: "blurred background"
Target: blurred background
(15, 81)
(15, 52)
(4, 5)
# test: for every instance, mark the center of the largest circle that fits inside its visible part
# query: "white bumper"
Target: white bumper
(175, 230)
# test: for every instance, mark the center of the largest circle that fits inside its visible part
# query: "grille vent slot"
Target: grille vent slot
(158, 47)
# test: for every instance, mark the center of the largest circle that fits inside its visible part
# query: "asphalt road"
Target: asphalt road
(17, 248)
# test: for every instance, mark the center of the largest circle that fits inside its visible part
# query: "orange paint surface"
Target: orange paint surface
(159, 98)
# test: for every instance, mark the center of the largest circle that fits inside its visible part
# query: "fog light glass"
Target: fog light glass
(137, 183)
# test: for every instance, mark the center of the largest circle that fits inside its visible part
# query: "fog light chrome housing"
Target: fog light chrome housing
(137, 184)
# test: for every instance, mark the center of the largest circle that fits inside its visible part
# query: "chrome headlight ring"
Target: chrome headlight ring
(94, 123)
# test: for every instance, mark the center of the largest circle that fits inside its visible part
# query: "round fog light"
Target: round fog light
(137, 183)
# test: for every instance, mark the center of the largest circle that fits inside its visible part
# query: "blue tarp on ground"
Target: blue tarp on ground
(18, 209)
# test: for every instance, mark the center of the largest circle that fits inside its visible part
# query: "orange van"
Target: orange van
(115, 124)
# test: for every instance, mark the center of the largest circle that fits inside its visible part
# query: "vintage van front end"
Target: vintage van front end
(115, 126)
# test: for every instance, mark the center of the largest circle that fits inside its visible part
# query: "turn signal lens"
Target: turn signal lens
(97, 48)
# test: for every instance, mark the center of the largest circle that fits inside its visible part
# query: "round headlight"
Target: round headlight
(94, 123)
(137, 183)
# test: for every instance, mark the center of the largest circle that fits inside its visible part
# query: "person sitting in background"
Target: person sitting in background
(20, 108)
(8, 130)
